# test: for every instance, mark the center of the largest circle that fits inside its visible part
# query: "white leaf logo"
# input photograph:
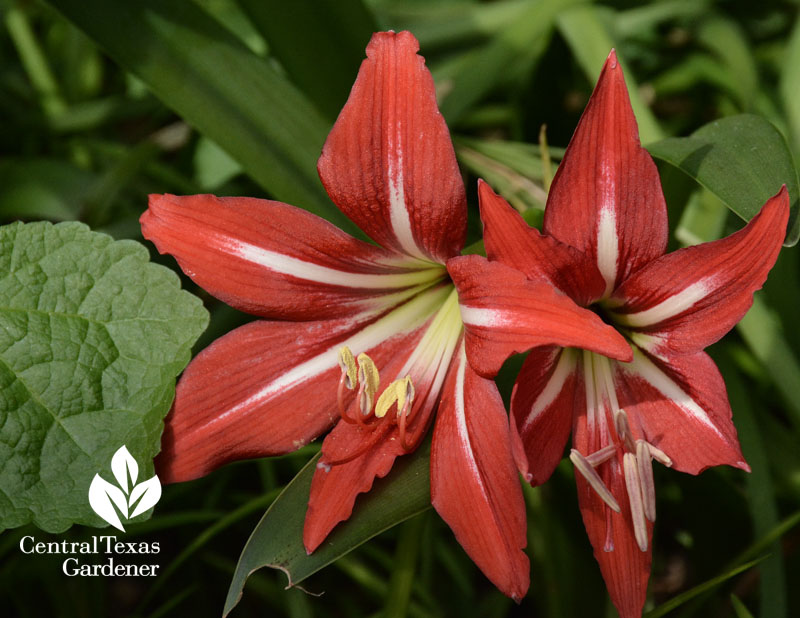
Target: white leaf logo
(123, 464)
(103, 496)
(150, 492)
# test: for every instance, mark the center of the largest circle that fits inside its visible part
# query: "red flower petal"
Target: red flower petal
(352, 456)
(687, 300)
(505, 313)
(680, 406)
(626, 568)
(510, 240)
(275, 260)
(474, 484)
(267, 388)
(548, 390)
(334, 488)
(606, 198)
(388, 163)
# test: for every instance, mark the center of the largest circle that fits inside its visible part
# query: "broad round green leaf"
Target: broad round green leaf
(277, 540)
(91, 338)
(742, 159)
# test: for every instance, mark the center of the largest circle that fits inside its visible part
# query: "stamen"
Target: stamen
(659, 455)
(623, 429)
(645, 464)
(348, 366)
(340, 399)
(633, 485)
(369, 380)
(601, 456)
(396, 392)
(588, 472)
(401, 393)
(348, 380)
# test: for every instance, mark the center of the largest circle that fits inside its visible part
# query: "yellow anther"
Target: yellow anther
(348, 366)
(397, 392)
(369, 379)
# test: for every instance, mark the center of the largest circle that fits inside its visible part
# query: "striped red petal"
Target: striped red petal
(687, 300)
(268, 388)
(606, 197)
(625, 568)
(275, 260)
(547, 393)
(510, 240)
(474, 483)
(388, 163)
(505, 313)
(680, 405)
(334, 488)
(354, 456)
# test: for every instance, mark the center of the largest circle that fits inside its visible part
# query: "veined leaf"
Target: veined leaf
(277, 540)
(229, 93)
(742, 159)
(91, 339)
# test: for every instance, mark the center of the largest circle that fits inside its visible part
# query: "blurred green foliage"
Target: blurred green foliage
(105, 101)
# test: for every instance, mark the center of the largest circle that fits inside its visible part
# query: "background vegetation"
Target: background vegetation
(105, 101)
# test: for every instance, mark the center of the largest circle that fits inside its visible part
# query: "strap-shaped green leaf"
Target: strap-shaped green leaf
(208, 76)
(277, 540)
(91, 339)
(742, 159)
(320, 44)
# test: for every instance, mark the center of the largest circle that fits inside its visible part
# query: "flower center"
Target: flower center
(363, 374)
(636, 454)
(603, 313)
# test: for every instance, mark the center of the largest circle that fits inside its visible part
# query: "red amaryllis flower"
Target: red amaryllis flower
(605, 233)
(272, 386)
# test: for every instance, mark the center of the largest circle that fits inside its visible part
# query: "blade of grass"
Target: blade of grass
(405, 564)
(320, 44)
(677, 601)
(761, 494)
(590, 41)
(726, 40)
(204, 537)
(480, 70)
(208, 76)
(763, 332)
(790, 83)
(34, 60)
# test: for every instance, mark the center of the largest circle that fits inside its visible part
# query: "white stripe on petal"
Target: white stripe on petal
(672, 306)
(404, 319)
(607, 236)
(644, 368)
(310, 271)
(398, 210)
(566, 365)
(461, 419)
(607, 248)
(486, 318)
